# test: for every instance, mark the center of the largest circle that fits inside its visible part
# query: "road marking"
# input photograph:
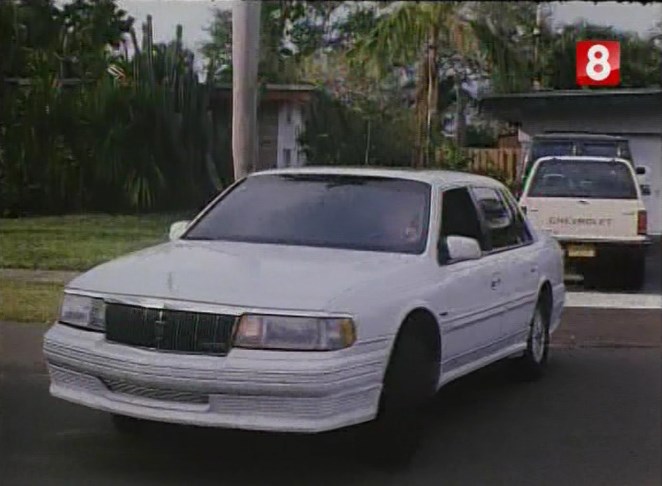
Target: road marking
(613, 301)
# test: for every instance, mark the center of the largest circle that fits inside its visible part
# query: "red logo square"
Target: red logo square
(598, 63)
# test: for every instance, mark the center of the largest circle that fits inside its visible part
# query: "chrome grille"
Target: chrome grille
(169, 330)
(126, 388)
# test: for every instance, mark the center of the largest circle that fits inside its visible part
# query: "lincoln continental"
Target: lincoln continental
(312, 299)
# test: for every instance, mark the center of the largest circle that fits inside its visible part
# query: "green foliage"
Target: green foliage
(451, 157)
(480, 138)
(144, 141)
(218, 49)
(336, 134)
(515, 55)
(640, 60)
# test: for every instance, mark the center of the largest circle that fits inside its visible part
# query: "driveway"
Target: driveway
(594, 419)
(648, 297)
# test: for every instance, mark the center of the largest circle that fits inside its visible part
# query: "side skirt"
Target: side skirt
(481, 363)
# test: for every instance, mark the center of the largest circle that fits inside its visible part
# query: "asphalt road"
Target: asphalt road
(593, 420)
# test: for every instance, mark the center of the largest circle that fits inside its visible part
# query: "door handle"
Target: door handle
(496, 282)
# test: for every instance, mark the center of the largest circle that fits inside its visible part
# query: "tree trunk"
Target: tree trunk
(367, 143)
(245, 53)
(432, 95)
(460, 119)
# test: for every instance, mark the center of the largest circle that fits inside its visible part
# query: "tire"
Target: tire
(127, 425)
(531, 366)
(633, 275)
(410, 382)
(592, 279)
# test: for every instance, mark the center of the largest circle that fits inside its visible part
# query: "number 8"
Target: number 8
(602, 61)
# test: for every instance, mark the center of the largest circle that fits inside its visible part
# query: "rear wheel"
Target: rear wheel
(633, 274)
(532, 364)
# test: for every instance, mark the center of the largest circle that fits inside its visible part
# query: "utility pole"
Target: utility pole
(245, 53)
(537, 33)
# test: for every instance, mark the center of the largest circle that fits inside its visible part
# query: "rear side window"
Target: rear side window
(589, 179)
(601, 149)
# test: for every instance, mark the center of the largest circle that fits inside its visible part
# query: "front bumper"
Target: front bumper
(247, 389)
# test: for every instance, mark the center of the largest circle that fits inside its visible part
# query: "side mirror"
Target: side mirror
(645, 190)
(641, 170)
(177, 229)
(461, 248)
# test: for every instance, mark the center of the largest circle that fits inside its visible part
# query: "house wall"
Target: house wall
(643, 130)
(268, 136)
(290, 125)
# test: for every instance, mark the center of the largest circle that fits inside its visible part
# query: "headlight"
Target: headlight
(294, 333)
(81, 311)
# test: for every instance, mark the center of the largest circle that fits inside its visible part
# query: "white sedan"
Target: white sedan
(311, 299)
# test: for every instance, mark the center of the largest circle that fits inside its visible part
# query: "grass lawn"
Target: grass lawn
(78, 242)
(29, 302)
(66, 243)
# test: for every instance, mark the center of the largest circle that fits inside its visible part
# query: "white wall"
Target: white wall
(290, 124)
(644, 133)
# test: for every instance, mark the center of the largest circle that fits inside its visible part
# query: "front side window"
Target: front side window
(499, 219)
(459, 218)
(322, 210)
(583, 178)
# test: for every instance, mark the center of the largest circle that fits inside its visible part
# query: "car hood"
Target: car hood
(241, 274)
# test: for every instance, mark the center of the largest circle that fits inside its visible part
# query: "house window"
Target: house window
(287, 157)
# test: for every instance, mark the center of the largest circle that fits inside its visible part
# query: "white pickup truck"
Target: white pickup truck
(593, 207)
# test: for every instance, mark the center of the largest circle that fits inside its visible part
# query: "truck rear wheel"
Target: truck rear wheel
(634, 273)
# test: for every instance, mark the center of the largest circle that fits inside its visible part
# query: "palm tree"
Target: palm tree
(511, 37)
(418, 32)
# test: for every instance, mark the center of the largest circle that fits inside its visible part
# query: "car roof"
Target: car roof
(596, 158)
(580, 135)
(430, 176)
(592, 158)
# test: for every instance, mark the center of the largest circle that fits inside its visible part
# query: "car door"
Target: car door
(523, 270)
(512, 255)
(468, 296)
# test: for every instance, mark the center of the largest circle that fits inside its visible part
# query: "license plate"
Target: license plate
(581, 251)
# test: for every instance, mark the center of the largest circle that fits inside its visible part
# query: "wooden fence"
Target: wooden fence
(503, 160)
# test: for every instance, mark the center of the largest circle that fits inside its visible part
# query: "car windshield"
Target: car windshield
(584, 179)
(322, 210)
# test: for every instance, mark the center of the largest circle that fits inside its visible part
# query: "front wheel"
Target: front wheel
(532, 364)
(410, 382)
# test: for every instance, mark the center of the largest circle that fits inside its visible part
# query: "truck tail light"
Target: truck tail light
(642, 223)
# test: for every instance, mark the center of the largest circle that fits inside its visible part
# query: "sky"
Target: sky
(195, 15)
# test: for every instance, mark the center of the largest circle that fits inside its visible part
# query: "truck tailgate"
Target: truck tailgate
(569, 218)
